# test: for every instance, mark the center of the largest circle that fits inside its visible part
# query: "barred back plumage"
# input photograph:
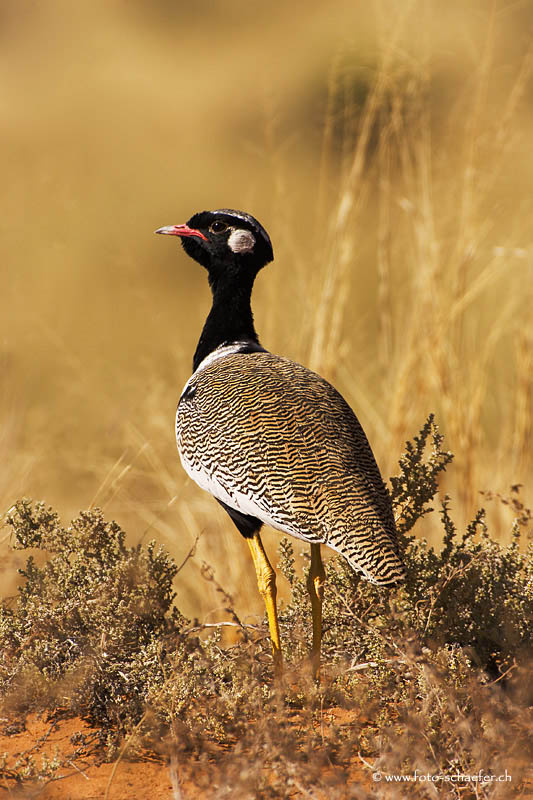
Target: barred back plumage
(273, 440)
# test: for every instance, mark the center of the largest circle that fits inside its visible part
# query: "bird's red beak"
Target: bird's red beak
(181, 230)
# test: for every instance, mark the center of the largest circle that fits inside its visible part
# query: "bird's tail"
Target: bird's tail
(375, 554)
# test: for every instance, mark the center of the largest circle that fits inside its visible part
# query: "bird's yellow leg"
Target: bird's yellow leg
(315, 586)
(266, 581)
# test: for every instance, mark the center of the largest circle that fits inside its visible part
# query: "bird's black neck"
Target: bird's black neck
(230, 318)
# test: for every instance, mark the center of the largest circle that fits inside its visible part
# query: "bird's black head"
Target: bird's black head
(226, 242)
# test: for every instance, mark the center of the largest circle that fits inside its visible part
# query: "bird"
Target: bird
(273, 442)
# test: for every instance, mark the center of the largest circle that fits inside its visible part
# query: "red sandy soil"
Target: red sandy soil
(83, 775)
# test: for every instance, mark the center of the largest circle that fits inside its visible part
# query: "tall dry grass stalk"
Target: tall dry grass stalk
(449, 300)
(403, 252)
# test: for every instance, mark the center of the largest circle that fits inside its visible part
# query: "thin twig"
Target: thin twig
(502, 676)
(72, 764)
(370, 766)
(121, 754)
(174, 775)
(203, 625)
(189, 555)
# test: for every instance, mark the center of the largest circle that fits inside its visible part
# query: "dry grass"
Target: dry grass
(390, 164)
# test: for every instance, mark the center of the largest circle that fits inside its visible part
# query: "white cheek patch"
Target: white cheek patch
(241, 241)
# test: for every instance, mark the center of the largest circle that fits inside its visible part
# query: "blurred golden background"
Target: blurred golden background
(385, 146)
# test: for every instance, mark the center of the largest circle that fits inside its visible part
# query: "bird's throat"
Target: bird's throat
(230, 318)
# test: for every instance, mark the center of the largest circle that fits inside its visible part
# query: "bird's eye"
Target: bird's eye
(218, 227)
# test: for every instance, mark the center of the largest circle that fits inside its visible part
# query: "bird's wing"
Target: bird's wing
(278, 442)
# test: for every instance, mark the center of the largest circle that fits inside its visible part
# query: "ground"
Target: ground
(84, 775)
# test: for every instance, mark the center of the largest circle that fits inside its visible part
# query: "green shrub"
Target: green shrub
(88, 627)
(474, 593)
(436, 672)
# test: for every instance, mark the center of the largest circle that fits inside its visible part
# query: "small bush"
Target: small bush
(88, 628)
(433, 674)
(474, 593)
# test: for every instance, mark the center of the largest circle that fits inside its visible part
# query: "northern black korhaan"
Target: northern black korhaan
(272, 441)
